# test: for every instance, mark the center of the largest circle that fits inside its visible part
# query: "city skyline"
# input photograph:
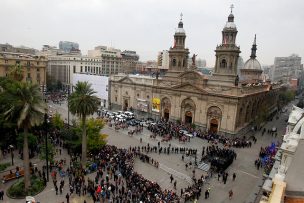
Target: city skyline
(278, 25)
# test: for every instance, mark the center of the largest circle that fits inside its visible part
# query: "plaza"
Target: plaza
(245, 187)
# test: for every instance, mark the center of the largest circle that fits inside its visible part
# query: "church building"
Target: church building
(224, 102)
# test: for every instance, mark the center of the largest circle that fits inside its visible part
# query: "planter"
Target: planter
(16, 191)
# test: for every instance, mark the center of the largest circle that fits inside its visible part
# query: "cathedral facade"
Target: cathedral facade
(224, 102)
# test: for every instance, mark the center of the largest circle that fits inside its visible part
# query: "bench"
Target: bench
(12, 176)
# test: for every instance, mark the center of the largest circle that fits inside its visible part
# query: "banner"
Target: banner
(156, 104)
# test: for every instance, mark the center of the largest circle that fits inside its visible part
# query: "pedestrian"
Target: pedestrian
(1, 194)
(207, 194)
(230, 194)
(174, 184)
(233, 176)
(67, 197)
(171, 178)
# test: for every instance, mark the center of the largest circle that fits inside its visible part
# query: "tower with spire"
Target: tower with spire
(252, 71)
(178, 54)
(227, 54)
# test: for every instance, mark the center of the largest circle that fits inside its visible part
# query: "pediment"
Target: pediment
(126, 80)
(189, 88)
(191, 76)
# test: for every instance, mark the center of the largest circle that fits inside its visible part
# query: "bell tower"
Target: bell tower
(178, 54)
(227, 54)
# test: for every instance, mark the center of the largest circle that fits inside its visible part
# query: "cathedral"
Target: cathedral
(225, 102)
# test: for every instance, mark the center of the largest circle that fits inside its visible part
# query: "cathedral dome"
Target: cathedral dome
(230, 25)
(252, 64)
(180, 30)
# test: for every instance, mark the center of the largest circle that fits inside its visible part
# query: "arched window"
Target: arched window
(223, 63)
(174, 62)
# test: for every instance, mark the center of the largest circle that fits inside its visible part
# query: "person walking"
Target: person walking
(233, 176)
(171, 178)
(174, 184)
(230, 194)
(67, 197)
(1, 194)
(207, 194)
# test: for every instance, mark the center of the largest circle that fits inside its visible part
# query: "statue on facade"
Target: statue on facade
(236, 82)
(193, 59)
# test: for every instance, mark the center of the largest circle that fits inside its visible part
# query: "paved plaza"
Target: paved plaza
(248, 178)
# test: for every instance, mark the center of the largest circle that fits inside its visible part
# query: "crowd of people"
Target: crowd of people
(220, 158)
(56, 97)
(266, 156)
(174, 129)
(115, 179)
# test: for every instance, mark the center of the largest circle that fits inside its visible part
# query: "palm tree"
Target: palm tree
(82, 102)
(26, 106)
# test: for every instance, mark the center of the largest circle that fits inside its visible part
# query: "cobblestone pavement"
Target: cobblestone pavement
(246, 183)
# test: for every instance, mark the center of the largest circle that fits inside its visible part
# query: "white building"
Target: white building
(62, 68)
(99, 84)
(163, 60)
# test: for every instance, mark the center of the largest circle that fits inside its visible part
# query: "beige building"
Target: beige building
(218, 103)
(34, 67)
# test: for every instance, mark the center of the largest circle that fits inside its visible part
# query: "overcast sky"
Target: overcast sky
(147, 26)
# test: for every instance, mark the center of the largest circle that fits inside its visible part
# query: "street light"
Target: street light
(68, 107)
(11, 147)
(46, 146)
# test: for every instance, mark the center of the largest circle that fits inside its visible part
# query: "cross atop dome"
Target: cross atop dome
(231, 7)
(181, 16)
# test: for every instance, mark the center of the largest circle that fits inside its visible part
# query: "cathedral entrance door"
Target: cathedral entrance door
(213, 126)
(188, 117)
(125, 108)
(166, 114)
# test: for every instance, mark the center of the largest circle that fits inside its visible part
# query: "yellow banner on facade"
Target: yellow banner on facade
(156, 104)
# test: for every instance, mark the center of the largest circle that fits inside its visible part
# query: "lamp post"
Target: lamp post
(11, 147)
(68, 107)
(46, 146)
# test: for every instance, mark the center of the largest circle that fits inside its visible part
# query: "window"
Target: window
(126, 92)
(38, 69)
(85, 69)
(74, 69)
(6, 61)
(148, 96)
(116, 99)
(28, 75)
(37, 63)
(137, 95)
(174, 62)
(81, 69)
(27, 63)
(223, 63)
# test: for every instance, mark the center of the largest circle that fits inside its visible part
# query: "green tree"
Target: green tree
(32, 140)
(71, 139)
(57, 121)
(96, 140)
(82, 102)
(26, 107)
(51, 151)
